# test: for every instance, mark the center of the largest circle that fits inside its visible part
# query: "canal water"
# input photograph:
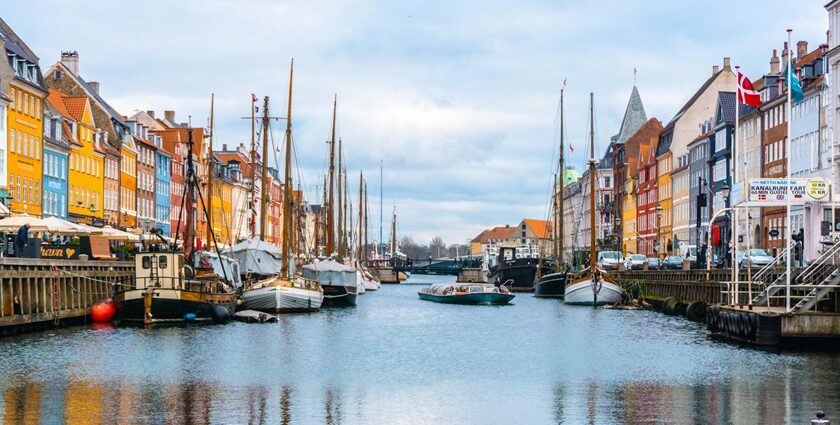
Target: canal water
(395, 359)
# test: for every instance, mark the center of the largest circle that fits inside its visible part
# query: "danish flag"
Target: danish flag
(746, 93)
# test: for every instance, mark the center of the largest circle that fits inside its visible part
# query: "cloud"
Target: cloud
(457, 98)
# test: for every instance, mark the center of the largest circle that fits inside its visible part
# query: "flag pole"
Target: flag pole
(734, 154)
(789, 80)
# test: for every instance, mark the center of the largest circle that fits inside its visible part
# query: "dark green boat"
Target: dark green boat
(464, 293)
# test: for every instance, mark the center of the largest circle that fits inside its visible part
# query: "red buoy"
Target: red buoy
(103, 311)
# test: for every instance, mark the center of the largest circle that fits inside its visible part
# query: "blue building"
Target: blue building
(721, 171)
(55, 158)
(163, 166)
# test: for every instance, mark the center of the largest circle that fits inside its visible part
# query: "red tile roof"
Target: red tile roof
(76, 106)
(541, 228)
(496, 233)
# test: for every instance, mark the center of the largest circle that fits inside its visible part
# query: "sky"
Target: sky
(457, 99)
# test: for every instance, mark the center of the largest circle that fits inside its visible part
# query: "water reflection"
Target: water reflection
(396, 360)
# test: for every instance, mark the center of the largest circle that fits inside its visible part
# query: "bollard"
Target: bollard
(821, 420)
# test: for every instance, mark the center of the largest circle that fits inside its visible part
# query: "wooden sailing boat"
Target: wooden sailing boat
(592, 286)
(553, 285)
(285, 293)
(366, 279)
(167, 291)
(337, 279)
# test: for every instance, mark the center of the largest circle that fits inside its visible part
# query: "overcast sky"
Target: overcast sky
(457, 97)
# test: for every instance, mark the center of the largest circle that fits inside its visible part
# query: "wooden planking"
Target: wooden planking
(40, 286)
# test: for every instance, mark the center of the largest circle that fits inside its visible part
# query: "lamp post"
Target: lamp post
(658, 244)
(724, 190)
(616, 235)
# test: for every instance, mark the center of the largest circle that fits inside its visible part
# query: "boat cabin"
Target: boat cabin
(159, 269)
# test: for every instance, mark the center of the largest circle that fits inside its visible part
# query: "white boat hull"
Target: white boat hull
(365, 282)
(581, 293)
(282, 299)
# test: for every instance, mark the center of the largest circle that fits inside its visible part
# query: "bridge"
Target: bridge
(437, 267)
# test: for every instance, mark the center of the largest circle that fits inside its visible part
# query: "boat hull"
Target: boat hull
(339, 296)
(385, 274)
(282, 299)
(580, 292)
(486, 298)
(521, 272)
(551, 285)
(173, 305)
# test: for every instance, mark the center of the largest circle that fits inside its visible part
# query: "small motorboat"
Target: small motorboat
(466, 293)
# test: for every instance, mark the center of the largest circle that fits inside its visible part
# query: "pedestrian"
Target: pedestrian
(21, 240)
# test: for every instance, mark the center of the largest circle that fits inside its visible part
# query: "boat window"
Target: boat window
(147, 262)
(476, 289)
(162, 261)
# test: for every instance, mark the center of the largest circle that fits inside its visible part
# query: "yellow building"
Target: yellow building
(27, 92)
(628, 210)
(86, 162)
(664, 165)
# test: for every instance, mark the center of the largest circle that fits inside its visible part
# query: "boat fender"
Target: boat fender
(189, 317)
(220, 314)
(103, 311)
(669, 306)
(696, 311)
(710, 319)
(189, 273)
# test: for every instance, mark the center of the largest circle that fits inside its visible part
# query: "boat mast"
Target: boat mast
(340, 219)
(287, 183)
(381, 212)
(348, 223)
(394, 233)
(361, 218)
(322, 217)
(330, 218)
(264, 189)
(210, 173)
(592, 188)
(558, 211)
(367, 213)
(253, 164)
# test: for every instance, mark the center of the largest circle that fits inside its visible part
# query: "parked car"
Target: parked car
(635, 262)
(754, 258)
(608, 260)
(654, 263)
(672, 262)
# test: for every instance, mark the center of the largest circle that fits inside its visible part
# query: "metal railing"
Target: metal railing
(764, 271)
(817, 265)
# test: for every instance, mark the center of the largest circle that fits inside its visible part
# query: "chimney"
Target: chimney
(71, 61)
(726, 65)
(151, 114)
(169, 116)
(801, 49)
(774, 63)
(715, 69)
(224, 147)
(785, 53)
(94, 85)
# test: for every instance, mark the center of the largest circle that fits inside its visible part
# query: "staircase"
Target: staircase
(818, 293)
(821, 274)
(773, 287)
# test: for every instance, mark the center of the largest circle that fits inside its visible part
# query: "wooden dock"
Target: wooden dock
(735, 319)
(39, 293)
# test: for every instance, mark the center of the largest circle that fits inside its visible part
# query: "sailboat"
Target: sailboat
(166, 291)
(592, 286)
(283, 293)
(553, 285)
(366, 280)
(337, 279)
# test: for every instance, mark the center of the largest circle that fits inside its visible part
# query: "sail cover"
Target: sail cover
(256, 256)
(329, 272)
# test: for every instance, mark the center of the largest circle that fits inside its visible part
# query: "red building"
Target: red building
(647, 216)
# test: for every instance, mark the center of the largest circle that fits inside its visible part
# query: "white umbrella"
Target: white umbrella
(12, 224)
(63, 227)
(118, 235)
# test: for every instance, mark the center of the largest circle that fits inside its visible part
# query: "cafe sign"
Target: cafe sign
(778, 191)
(59, 252)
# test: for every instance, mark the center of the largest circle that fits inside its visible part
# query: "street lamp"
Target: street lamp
(617, 235)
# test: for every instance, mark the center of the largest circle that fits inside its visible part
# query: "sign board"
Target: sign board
(774, 233)
(776, 191)
(100, 247)
(59, 252)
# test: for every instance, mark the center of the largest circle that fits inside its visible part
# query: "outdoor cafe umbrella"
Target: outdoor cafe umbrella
(118, 235)
(12, 224)
(59, 226)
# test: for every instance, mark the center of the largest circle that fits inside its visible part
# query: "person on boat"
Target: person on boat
(21, 239)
